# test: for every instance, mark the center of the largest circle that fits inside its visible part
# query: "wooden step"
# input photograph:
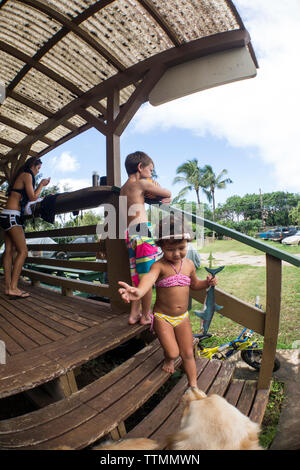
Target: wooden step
(92, 412)
(213, 377)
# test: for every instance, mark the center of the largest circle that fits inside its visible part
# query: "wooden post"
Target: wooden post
(273, 268)
(66, 291)
(62, 387)
(113, 161)
(117, 262)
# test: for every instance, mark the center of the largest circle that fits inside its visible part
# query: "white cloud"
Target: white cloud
(65, 163)
(260, 112)
(69, 184)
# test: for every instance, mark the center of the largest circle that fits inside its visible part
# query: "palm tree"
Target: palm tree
(193, 175)
(211, 182)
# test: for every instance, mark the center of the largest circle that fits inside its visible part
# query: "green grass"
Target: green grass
(233, 245)
(272, 414)
(246, 282)
(229, 245)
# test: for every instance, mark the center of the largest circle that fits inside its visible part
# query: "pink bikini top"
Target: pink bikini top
(175, 280)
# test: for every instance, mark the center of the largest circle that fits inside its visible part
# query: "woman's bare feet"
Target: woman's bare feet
(17, 294)
(168, 366)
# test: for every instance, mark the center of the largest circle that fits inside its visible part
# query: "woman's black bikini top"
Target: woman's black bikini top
(24, 198)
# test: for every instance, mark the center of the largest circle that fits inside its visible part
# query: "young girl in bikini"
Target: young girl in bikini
(173, 276)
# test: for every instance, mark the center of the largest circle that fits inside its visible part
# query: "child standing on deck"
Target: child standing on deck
(141, 247)
(173, 276)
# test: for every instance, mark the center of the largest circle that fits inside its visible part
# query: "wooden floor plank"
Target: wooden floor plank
(54, 320)
(206, 379)
(222, 379)
(12, 347)
(25, 320)
(57, 312)
(259, 407)
(18, 330)
(247, 396)
(32, 314)
(234, 391)
(84, 306)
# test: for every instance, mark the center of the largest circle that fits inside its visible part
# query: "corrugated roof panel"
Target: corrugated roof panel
(58, 133)
(44, 91)
(77, 121)
(25, 28)
(4, 149)
(70, 8)
(78, 62)
(193, 19)
(38, 146)
(10, 134)
(127, 31)
(9, 67)
(21, 114)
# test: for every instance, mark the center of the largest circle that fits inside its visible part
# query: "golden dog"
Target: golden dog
(208, 423)
(211, 423)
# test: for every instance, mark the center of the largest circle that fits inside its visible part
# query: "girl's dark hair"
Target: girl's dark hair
(173, 230)
(30, 162)
(133, 159)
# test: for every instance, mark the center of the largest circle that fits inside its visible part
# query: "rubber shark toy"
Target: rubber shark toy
(210, 306)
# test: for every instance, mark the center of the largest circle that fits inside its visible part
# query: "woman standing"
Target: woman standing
(21, 191)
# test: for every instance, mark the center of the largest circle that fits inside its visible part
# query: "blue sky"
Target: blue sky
(248, 127)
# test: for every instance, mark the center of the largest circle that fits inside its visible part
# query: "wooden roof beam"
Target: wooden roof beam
(139, 97)
(64, 139)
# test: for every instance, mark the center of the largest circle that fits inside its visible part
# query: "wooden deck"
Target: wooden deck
(47, 335)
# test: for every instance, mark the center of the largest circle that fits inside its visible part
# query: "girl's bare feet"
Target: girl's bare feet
(146, 319)
(134, 318)
(168, 366)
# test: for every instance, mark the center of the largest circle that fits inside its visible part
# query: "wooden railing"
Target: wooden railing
(116, 265)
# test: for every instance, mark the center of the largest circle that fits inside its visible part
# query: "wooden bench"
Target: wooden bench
(92, 412)
(213, 377)
(67, 272)
(102, 407)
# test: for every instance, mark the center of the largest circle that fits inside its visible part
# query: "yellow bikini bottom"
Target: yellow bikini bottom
(174, 321)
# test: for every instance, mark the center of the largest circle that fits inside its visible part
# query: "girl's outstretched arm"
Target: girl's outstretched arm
(129, 293)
